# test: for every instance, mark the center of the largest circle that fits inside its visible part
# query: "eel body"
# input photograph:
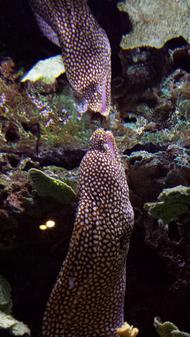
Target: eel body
(88, 297)
(85, 49)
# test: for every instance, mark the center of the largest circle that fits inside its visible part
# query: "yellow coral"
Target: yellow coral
(127, 330)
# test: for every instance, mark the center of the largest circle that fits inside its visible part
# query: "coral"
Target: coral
(49, 187)
(168, 329)
(172, 204)
(154, 23)
(127, 330)
(46, 70)
(70, 177)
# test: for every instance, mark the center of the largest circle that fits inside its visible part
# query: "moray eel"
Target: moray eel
(85, 49)
(88, 297)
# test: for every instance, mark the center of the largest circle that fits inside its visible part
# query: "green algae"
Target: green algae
(50, 187)
(155, 23)
(70, 177)
(172, 203)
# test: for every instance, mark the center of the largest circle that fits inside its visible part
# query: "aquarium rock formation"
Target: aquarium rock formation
(85, 49)
(88, 297)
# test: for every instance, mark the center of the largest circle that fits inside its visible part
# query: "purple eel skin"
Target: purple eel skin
(88, 297)
(85, 49)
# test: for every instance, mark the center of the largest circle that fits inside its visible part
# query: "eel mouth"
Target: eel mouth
(110, 142)
(104, 108)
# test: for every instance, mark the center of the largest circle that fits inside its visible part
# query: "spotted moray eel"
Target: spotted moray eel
(85, 49)
(88, 297)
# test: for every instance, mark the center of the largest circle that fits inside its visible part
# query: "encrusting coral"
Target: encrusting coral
(155, 22)
(88, 297)
(50, 187)
(172, 203)
(46, 70)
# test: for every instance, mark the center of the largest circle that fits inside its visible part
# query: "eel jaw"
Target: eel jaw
(95, 98)
(109, 145)
(103, 110)
(102, 140)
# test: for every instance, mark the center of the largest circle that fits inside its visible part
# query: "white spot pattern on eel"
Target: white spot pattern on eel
(85, 49)
(88, 297)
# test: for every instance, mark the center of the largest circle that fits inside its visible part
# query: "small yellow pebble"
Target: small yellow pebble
(127, 330)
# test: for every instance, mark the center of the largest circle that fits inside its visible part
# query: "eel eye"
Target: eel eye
(106, 147)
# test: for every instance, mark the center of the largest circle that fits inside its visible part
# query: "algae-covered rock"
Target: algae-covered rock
(155, 22)
(168, 329)
(70, 177)
(172, 203)
(50, 187)
(46, 70)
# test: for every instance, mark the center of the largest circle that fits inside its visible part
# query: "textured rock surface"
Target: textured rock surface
(155, 23)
